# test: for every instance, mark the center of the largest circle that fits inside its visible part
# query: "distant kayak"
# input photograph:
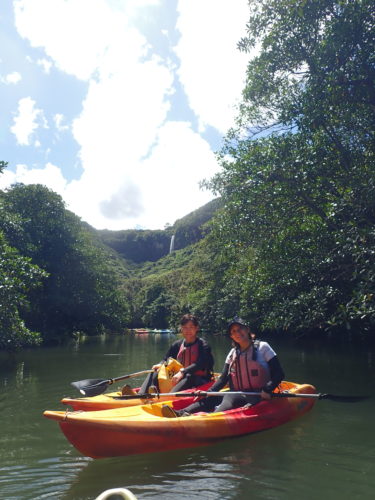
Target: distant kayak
(108, 401)
(143, 429)
(161, 331)
(141, 330)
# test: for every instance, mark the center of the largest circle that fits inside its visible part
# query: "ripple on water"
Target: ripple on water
(47, 478)
(327, 454)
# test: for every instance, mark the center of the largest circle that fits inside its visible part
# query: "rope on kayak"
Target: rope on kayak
(122, 492)
(70, 412)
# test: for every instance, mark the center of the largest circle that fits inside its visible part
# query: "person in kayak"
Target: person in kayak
(251, 366)
(194, 354)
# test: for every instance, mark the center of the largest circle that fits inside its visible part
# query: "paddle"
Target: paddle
(95, 386)
(332, 397)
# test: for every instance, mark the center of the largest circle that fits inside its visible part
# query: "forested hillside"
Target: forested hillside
(139, 245)
(292, 248)
(289, 243)
(56, 279)
(60, 277)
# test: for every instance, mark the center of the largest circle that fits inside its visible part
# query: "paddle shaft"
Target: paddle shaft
(206, 394)
(130, 375)
(333, 397)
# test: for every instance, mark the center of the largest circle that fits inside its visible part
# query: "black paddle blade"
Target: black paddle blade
(343, 399)
(92, 386)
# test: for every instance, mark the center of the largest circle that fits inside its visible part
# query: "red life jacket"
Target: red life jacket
(246, 372)
(188, 355)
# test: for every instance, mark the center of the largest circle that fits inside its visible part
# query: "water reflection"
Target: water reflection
(224, 470)
(331, 446)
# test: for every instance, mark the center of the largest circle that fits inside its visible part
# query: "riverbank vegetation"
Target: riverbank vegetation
(289, 242)
(55, 278)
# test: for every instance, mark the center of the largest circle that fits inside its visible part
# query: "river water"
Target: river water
(327, 454)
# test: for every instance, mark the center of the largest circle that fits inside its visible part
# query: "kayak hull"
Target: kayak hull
(143, 429)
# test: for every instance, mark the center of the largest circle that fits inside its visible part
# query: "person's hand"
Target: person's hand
(265, 395)
(177, 377)
(156, 367)
(198, 394)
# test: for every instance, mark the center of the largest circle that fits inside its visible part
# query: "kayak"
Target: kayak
(161, 331)
(109, 401)
(143, 429)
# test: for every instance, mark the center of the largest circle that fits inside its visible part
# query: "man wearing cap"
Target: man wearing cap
(251, 366)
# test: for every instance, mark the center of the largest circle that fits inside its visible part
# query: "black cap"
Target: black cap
(236, 321)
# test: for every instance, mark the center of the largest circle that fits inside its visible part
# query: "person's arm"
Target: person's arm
(222, 380)
(276, 373)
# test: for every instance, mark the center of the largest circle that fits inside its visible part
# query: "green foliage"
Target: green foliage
(299, 210)
(156, 304)
(17, 278)
(138, 245)
(3, 164)
(82, 292)
(192, 228)
(184, 281)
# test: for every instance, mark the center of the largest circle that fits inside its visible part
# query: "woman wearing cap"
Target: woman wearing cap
(250, 366)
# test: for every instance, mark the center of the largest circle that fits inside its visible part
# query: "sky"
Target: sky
(119, 105)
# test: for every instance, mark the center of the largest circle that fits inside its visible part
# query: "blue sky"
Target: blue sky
(119, 105)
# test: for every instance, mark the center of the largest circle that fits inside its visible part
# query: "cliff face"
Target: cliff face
(150, 245)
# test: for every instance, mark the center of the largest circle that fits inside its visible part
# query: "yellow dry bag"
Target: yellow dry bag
(166, 372)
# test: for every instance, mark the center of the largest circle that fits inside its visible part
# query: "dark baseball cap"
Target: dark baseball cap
(236, 321)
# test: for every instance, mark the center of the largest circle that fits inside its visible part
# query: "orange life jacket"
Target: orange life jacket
(188, 355)
(246, 371)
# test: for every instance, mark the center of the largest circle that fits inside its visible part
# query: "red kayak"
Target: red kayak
(143, 429)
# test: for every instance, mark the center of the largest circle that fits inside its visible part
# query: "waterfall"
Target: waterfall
(171, 247)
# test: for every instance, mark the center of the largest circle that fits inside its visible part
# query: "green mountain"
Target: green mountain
(143, 245)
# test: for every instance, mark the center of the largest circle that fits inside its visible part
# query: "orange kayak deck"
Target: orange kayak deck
(108, 401)
(143, 429)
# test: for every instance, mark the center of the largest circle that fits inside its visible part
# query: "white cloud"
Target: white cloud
(186, 159)
(7, 178)
(50, 176)
(212, 69)
(138, 168)
(124, 203)
(155, 190)
(46, 65)
(11, 78)
(78, 34)
(27, 121)
(59, 122)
